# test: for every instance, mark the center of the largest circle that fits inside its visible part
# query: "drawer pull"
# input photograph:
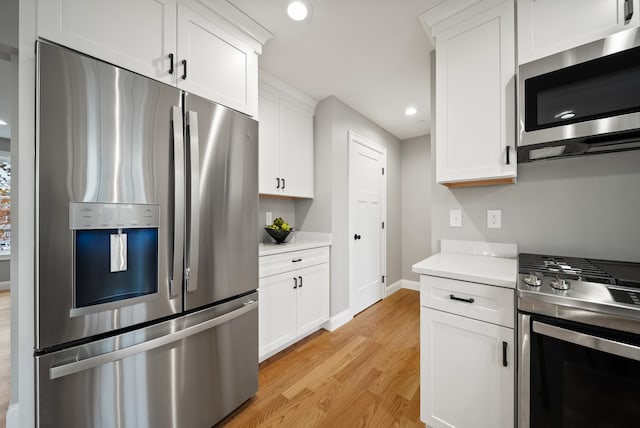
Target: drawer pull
(460, 299)
(296, 260)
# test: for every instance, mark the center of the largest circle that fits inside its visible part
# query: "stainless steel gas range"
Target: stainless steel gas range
(579, 342)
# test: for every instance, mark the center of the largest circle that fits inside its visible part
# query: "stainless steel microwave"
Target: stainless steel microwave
(581, 101)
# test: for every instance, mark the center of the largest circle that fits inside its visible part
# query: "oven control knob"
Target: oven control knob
(559, 284)
(532, 280)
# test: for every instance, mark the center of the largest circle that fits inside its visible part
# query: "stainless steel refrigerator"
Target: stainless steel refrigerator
(147, 263)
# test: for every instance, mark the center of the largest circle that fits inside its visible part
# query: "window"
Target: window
(5, 203)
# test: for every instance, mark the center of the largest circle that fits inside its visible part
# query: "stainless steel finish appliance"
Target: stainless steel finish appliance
(579, 342)
(581, 101)
(146, 253)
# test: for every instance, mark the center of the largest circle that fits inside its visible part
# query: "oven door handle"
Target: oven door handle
(588, 341)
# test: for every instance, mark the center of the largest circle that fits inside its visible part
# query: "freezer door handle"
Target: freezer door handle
(191, 278)
(83, 364)
(175, 281)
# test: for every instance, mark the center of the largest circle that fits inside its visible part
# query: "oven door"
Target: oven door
(574, 375)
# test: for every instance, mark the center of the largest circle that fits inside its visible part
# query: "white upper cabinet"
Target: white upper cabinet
(193, 48)
(138, 35)
(475, 96)
(546, 27)
(286, 140)
(218, 66)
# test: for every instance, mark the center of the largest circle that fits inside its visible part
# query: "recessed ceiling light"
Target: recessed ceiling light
(410, 111)
(297, 10)
(3, 122)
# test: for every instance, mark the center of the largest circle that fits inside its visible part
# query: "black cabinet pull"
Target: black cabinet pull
(296, 260)
(504, 354)
(278, 186)
(508, 153)
(295, 282)
(171, 63)
(460, 299)
(300, 281)
(283, 184)
(628, 11)
(184, 72)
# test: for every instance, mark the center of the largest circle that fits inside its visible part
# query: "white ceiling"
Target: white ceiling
(371, 54)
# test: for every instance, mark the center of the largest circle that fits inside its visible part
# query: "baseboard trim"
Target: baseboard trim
(5, 285)
(388, 291)
(411, 285)
(402, 283)
(13, 416)
(337, 321)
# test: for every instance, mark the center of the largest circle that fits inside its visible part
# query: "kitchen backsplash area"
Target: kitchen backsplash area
(284, 208)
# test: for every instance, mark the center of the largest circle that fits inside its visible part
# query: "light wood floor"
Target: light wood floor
(365, 374)
(5, 353)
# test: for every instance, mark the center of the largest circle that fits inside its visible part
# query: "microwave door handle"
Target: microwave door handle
(628, 11)
(194, 221)
(175, 281)
(588, 341)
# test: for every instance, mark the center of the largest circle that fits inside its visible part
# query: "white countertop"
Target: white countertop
(300, 241)
(473, 267)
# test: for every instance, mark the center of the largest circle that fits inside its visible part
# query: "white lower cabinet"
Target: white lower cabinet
(467, 361)
(467, 374)
(293, 303)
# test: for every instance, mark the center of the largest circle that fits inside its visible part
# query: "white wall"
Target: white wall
(333, 121)
(415, 165)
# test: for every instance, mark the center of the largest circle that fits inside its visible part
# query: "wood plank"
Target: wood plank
(366, 373)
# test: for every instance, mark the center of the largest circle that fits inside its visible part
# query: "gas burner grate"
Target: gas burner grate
(565, 267)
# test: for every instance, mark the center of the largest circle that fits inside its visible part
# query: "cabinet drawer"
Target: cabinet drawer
(469, 299)
(284, 262)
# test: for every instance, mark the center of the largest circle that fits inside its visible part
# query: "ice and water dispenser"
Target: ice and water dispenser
(115, 251)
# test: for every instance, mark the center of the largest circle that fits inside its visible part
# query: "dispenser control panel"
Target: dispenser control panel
(92, 215)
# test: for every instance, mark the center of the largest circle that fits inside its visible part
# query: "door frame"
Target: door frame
(355, 138)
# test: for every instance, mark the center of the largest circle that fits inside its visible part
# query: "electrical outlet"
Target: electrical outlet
(494, 219)
(269, 218)
(455, 218)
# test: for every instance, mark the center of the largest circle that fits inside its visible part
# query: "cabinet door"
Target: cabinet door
(313, 297)
(546, 27)
(269, 154)
(219, 67)
(277, 311)
(475, 98)
(137, 35)
(296, 150)
(464, 383)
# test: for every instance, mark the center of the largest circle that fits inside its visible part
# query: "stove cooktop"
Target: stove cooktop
(595, 281)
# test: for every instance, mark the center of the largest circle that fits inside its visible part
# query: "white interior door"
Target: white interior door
(366, 213)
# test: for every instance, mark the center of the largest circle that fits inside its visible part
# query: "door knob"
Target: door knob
(356, 236)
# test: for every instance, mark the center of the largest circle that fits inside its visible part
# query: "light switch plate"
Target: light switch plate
(269, 218)
(494, 219)
(455, 218)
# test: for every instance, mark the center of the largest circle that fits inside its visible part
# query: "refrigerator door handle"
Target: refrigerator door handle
(194, 222)
(83, 364)
(175, 280)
